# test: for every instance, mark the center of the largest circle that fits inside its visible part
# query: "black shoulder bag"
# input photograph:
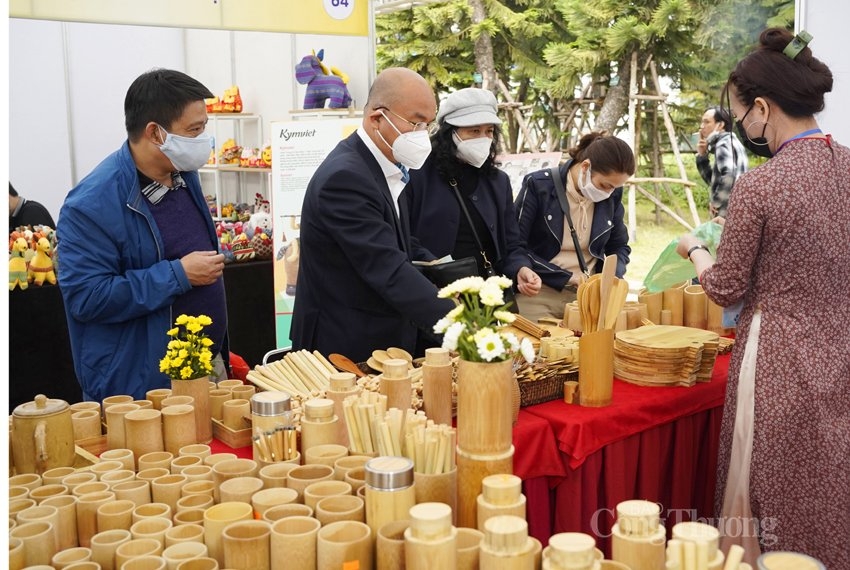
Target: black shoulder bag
(561, 191)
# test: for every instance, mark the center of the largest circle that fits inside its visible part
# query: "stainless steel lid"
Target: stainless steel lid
(270, 403)
(389, 473)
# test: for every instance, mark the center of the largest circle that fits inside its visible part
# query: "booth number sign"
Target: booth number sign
(339, 9)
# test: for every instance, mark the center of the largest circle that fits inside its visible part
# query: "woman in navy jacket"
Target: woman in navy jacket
(464, 151)
(593, 177)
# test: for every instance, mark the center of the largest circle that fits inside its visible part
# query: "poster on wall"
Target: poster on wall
(298, 148)
(516, 166)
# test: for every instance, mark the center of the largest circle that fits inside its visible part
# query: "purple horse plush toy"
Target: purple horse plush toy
(322, 85)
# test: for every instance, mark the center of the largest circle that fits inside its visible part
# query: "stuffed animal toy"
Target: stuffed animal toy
(41, 266)
(248, 154)
(260, 222)
(262, 244)
(230, 152)
(266, 157)
(261, 204)
(230, 103)
(18, 265)
(242, 248)
(323, 86)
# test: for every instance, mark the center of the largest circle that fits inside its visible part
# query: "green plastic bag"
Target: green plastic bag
(671, 269)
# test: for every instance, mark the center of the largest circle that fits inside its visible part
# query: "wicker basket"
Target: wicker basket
(539, 391)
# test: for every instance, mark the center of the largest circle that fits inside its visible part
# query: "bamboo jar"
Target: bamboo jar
(437, 385)
(572, 551)
(396, 385)
(506, 544)
(390, 490)
(341, 386)
(471, 471)
(430, 541)
(319, 426)
(269, 417)
(501, 494)
(639, 552)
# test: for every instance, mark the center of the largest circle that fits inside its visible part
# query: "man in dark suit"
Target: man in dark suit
(357, 288)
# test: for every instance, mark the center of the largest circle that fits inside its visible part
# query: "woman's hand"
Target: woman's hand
(528, 282)
(686, 242)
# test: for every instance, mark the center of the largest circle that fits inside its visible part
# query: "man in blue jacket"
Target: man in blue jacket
(137, 246)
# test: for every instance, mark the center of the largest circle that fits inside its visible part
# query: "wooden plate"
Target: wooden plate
(374, 364)
(396, 352)
(380, 356)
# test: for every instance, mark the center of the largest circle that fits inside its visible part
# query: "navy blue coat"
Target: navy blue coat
(357, 288)
(541, 228)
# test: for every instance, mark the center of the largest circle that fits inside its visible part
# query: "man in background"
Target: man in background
(137, 243)
(23, 212)
(730, 159)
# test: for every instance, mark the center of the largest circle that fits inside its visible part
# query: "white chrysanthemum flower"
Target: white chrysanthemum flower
(469, 284)
(490, 347)
(441, 325)
(491, 295)
(505, 316)
(482, 333)
(512, 341)
(527, 350)
(455, 313)
(452, 334)
(501, 281)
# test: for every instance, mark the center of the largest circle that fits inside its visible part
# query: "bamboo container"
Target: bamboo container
(66, 505)
(193, 502)
(87, 506)
(43, 513)
(178, 427)
(340, 508)
(39, 543)
(17, 555)
(230, 383)
(156, 460)
(88, 488)
(145, 563)
(654, 304)
(189, 516)
(247, 544)
(596, 368)
(200, 487)
(437, 488)
(389, 545)
(396, 384)
(243, 392)
(639, 552)
(137, 491)
(178, 464)
(666, 317)
(233, 412)
(177, 400)
(694, 305)
(437, 385)
(572, 316)
(16, 492)
(218, 458)
(167, 490)
(218, 517)
(430, 541)
(84, 565)
(484, 407)
(230, 469)
(293, 543)
(265, 499)
(279, 512)
(471, 471)
(136, 548)
(315, 492)
(157, 395)
(69, 556)
(113, 478)
(672, 300)
(500, 495)
(143, 432)
(714, 318)
(110, 401)
(506, 544)
(390, 490)
(86, 424)
(357, 479)
(200, 450)
(469, 548)
(324, 454)
(274, 474)
(341, 386)
(697, 532)
(54, 476)
(125, 456)
(105, 466)
(198, 473)
(571, 550)
(342, 542)
(115, 423)
(239, 489)
(152, 510)
(80, 406)
(153, 527)
(202, 563)
(18, 505)
(144, 404)
(105, 543)
(217, 399)
(270, 414)
(638, 518)
(345, 464)
(184, 533)
(177, 553)
(319, 427)
(116, 515)
(302, 476)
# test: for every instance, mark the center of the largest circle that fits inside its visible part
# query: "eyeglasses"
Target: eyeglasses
(430, 128)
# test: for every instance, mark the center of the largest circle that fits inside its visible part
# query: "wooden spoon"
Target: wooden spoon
(609, 269)
(345, 364)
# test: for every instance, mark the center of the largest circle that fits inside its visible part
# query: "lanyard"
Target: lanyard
(803, 135)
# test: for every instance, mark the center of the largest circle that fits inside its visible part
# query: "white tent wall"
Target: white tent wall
(67, 83)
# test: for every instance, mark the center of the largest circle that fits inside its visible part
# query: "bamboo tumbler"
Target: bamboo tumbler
(345, 464)
(178, 464)
(293, 543)
(151, 511)
(233, 412)
(177, 553)
(694, 305)
(144, 404)
(110, 401)
(324, 454)
(18, 505)
(167, 490)
(87, 506)
(189, 516)
(66, 505)
(304, 475)
(437, 385)
(79, 406)
(471, 471)
(390, 490)
(42, 513)
(199, 487)
(39, 543)
(17, 556)
(315, 492)
(638, 551)
(178, 427)
(113, 478)
(714, 318)
(105, 466)
(469, 548)
(506, 544)
(200, 450)
(84, 565)
(54, 476)
(116, 515)
(153, 527)
(143, 431)
(341, 385)
(125, 456)
(342, 542)
(230, 469)
(274, 475)
(573, 550)
(17, 492)
(198, 473)
(340, 508)
(265, 499)
(201, 563)
(218, 458)
(500, 495)
(437, 488)
(157, 395)
(243, 392)
(138, 491)
(177, 400)
(389, 545)
(156, 460)
(396, 385)
(239, 489)
(194, 502)
(145, 563)
(86, 424)
(136, 548)
(485, 407)
(247, 544)
(88, 488)
(430, 541)
(115, 423)
(654, 304)
(319, 427)
(184, 533)
(216, 518)
(217, 399)
(69, 556)
(279, 512)
(105, 543)
(672, 300)
(596, 368)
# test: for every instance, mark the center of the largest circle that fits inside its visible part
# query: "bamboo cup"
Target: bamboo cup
(216, 518)
(217, 399)
(341, 386)
(167, 490)
(304, 475)
(84, 565)
(178, 464)
(87, 506)
(596, 368)
(324, 454)
(69, 556)
(88, 488)
(200, 487)
(230, 383)
(66, 505)
(342, 542)
(157, 396)
(274, 474)
(638, 551)
(178, 427)
(389, 545)
(395, 384)
(177, 553)
(345, 464)
(17, 556)
(115, 423)
(218, 458)
(437, 385)
(151, 511)
(144, 404)
(39, 543)
(293, 543)
(153, 527)
(714, 318)
(695, 306)
(137, 548)
(156, 460)
(145, 563)
(233, 412)
(174, 400)
(74, 479)
(280, 512)
(265, 499)
(666, 317)
(247, 544)
(315, 492)
(104, 544)
(340, 508)
(80, 406)
(201, 450)
(469, 548)
(198, 473)
(506, 544)
(184, 533)
(437, 488)
(243, 392)
(86, 424)
(239, 489)
(672, 300)
(42, 513)
(54, 476)
(110, 401)
(18, 505)
(484, 414)
(189, 516)
(105, 466)
(17, 492)
(471, 471)
(138, 491)
(143, 432)
(431, 540)
(654, 304)
(500, 495)
(125, 456)
(113, 478)
(201, 563)
(116, 515)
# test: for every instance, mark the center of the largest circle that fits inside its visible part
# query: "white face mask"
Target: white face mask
(590, 191)
(475, 151)
(186, 153)
(410, 149)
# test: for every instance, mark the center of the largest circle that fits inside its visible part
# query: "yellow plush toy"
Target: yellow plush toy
(230, 152)
(18, 265)
(41, 266)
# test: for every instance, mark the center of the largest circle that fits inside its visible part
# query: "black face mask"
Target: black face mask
(757, 145)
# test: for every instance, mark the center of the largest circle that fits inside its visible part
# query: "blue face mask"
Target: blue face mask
(186, 153)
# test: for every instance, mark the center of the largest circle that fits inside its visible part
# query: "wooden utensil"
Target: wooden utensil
(609, 268)
(381, 355)
(395, 352)
(345, 364)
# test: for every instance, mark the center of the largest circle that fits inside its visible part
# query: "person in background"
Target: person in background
(590, 185)
(462, 166)
(23, 212)
(784, 462)
(357, 288)
(730, 160)
(137, 243)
